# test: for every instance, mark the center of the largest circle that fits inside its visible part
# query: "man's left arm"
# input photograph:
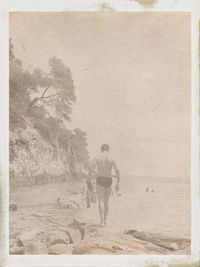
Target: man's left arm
(117, 174)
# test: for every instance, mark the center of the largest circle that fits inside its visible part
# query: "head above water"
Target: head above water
(105, 148)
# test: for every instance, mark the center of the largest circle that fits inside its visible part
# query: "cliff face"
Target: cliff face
(32, 160)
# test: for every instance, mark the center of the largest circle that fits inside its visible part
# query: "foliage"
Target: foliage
(56, 90)
(78, 143)
(18, 93)
(43, 102)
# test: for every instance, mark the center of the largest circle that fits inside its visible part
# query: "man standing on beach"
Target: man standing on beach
(104, 166)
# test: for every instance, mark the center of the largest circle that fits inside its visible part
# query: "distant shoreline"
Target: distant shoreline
(159, 178)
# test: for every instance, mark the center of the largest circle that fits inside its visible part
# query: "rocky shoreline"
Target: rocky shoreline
(78, 238)
(60, 223)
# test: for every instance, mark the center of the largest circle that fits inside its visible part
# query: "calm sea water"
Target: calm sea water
(166, 210)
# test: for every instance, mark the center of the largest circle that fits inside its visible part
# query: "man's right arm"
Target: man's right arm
(93, 168)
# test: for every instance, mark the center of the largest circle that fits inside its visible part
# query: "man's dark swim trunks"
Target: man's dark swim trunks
(104, 181)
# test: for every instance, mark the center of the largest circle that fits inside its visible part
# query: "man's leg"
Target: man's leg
(106, 203)
(100, 196)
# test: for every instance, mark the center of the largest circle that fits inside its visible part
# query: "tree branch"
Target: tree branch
(68, 102)
(49, 96)
(36, 99)
(45, 91)
(44, 109)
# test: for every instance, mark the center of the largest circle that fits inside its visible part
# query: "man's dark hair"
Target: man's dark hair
(105, 147)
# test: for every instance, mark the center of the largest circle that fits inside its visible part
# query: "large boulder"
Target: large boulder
(36, 247)
(58, 237)
(27, 236)
(59, 249)
(50, 242)
(73, 202)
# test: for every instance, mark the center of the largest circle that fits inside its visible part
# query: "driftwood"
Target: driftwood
(165, 242)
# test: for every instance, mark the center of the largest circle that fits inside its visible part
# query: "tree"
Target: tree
(43, 102)
(75, 144)
(79, 145)
(18, 81)
(56, 91)
(53, 92)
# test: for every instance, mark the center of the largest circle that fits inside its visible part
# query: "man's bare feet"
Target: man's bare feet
(101, 223)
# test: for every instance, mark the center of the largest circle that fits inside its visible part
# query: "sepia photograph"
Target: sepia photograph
(99, 133)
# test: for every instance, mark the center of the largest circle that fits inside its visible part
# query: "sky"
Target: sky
(131, 73)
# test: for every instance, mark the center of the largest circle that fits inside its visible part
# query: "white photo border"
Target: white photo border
(192, 6)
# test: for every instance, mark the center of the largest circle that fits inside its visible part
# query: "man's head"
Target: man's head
(104, 148)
